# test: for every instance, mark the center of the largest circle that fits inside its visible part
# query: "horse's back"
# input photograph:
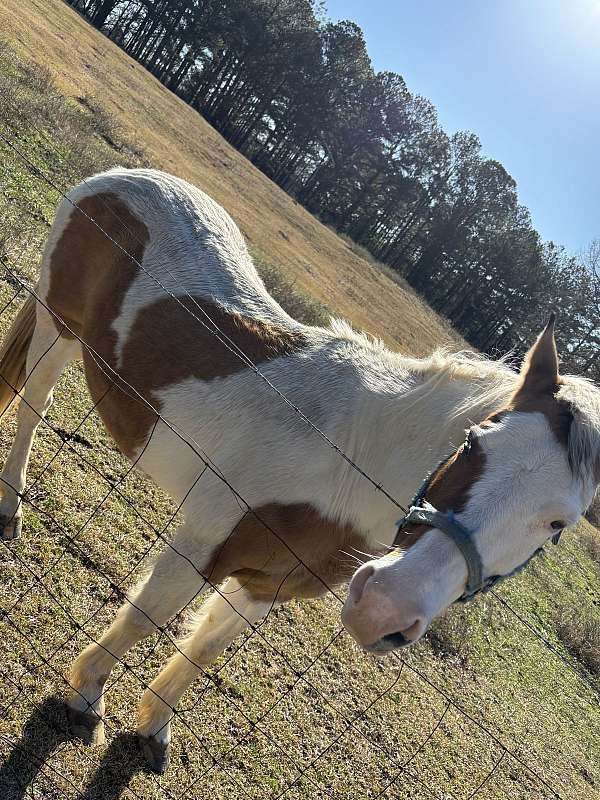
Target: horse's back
(183, 240)
(145, 269)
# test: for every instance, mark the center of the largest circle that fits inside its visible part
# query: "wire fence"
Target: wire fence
(277, 716)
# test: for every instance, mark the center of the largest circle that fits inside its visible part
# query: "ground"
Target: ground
(485, 688)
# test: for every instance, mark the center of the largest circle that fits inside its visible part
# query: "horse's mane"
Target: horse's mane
(491, 384)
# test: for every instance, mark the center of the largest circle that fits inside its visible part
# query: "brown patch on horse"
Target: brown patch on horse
(90, 276)
(557, 412)
(86, 267)
(166, 346)
(270, 571)
(450, 486)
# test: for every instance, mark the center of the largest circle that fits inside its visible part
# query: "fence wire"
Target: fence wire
(351, 730)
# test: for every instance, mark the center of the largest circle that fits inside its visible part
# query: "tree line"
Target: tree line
(297, 94)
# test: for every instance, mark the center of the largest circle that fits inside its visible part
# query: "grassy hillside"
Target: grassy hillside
(491, 672)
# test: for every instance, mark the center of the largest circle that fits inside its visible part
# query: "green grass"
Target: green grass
(482, 657)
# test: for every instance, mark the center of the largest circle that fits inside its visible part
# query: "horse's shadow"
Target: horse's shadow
(120, 762)
(47, 729)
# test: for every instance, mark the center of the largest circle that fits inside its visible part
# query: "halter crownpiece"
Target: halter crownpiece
(422, 512)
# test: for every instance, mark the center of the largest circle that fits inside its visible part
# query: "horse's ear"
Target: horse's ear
(539, 373)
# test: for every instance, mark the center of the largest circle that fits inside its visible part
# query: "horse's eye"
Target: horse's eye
(468, 441)
(557, 525)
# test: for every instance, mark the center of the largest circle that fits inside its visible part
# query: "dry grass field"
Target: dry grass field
(482, 707)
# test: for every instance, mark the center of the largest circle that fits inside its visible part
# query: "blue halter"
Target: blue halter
(421, 512)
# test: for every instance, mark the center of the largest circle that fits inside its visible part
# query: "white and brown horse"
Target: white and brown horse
(530, 468)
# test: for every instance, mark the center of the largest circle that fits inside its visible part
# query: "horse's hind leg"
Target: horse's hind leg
(46, 357)
(223, 617)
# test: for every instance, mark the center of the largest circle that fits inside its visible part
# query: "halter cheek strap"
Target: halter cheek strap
(462, 538)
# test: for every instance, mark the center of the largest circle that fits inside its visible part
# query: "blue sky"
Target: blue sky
(524, 75)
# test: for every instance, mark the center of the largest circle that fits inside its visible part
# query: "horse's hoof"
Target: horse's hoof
(85, 726)
(10, 527)
(156, 753)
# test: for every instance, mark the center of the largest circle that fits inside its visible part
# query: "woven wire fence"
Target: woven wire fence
(292, 709)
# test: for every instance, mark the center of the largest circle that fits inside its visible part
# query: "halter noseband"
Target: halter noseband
(422, 512)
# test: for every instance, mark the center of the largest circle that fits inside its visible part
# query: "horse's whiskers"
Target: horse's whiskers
(369, 556)
(352, 557)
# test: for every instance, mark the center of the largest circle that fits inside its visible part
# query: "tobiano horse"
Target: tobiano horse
(150, 283)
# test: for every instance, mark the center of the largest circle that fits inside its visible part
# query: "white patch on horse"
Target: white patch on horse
(526, 484)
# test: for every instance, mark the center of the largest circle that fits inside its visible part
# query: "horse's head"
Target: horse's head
(522, 475)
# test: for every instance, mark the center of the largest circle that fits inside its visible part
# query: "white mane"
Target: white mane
(492, 383)
(343, 330)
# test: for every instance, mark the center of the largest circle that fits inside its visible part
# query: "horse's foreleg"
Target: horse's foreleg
(47, 356)
(172, 584)
(223, 617)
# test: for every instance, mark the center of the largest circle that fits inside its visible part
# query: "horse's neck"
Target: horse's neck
(402, 435)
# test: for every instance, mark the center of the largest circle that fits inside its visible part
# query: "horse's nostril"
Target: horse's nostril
(359, 581)
(395, 639)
